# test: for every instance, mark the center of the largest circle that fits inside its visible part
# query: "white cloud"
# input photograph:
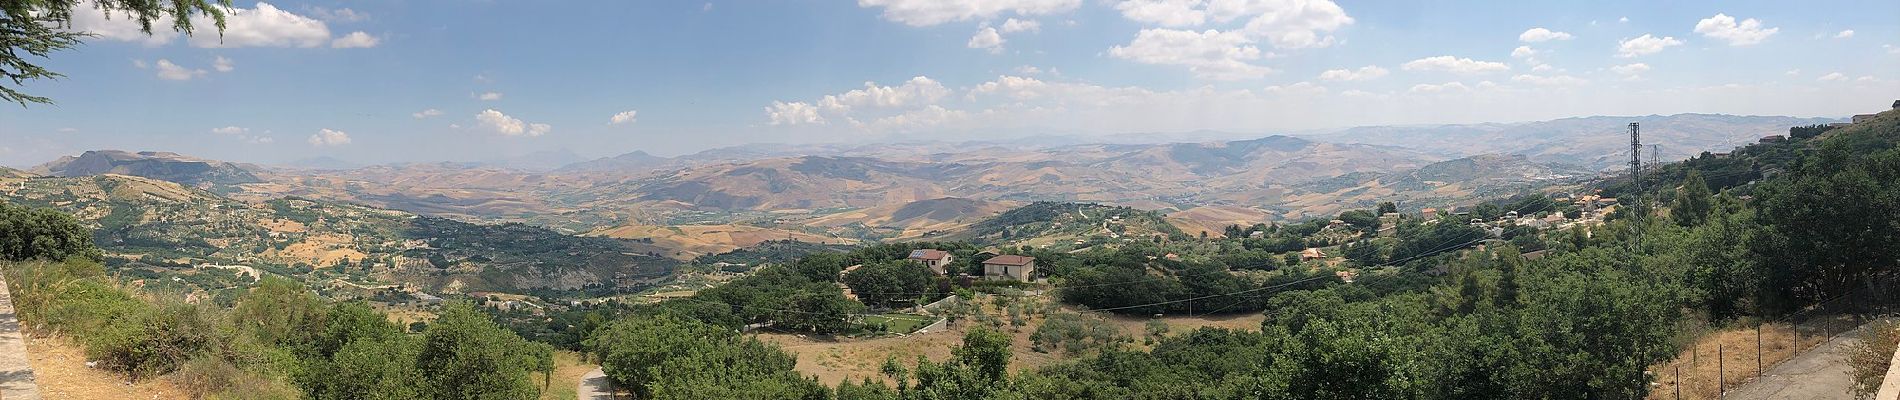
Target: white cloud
(1439, 88)
(264, 26)
(987, 39)
(244, 135)
(1534, 35)
(429, 113)
(1844, 34)
(1833, 77)
(1644, 45)
(1297, 89)
(355, 40)
(1891, 49)
(140, 64)
(1164, 12)
(1017, 25)
(793, 113)
(1523, 52)
(1552, 80)
(1630, 69)
(488, 96)
(1368, 72)
(1286, 24)
(1724, 27)
(918, 90)
(624, 117)
(509, 126)
(1028, 70)
(1623, 19)
(1794, 72)
(338, 15)
(1454, 64)
(173, 72)
(1542, 68)
(223, 64)
(1210, 55)
(329, 137)
(230, 130)
(1866, 78)
(933, 12)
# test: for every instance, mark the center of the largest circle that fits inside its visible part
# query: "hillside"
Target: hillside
(152, 224)
(1596, 142)
(1451, 182)
(1056, 223)
(688, 241)
(166, 166)
(909, 220)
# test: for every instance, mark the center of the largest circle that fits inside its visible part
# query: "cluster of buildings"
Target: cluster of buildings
(996, 267)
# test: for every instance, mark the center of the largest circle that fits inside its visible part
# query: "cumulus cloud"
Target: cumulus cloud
(230, 130)
(429, 113)
(1723, 27)
(1833, 77)
(488, 96)
(1535, 35)
(329, 137)
(1523, 52)
(1644, 45)
(1630, 69)
(263, 25)
(1028, 70)
(1368, 72)
(793, 113)
(1017, 25)
(624, 117)
(916, 91)
(509, 126)
(1210, 55)
(1176, 13)
(1286, 24)
(987, 39)
(1844, 34)
(1454, 64)
(933, 12)
(223, 64)
(355, 40)
(173, 72)
(244, 135)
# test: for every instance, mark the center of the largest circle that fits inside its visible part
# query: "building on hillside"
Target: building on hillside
(1010, 266)
(1312, 253)
(933, 258)
(1429, 213)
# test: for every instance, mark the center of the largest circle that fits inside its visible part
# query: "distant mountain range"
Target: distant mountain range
(729, 197)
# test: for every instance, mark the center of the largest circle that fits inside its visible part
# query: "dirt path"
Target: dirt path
(594, 386)
(1819, 374)
(16, 373)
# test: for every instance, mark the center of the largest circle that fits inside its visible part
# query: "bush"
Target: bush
(154, 342)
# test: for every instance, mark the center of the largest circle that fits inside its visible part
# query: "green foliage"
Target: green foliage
(669, 358)
(1076, 334)
(42, 233)
(464, 355)
(1693, 201)
(891, 283)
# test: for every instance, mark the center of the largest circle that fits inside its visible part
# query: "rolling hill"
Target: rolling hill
(1598, 142)
(174, 167)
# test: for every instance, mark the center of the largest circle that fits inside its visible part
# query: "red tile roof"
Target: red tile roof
(1008, 259)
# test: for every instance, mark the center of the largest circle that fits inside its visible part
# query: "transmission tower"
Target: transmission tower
(1636, 157)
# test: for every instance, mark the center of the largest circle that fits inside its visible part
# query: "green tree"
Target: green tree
(42, 233)
(465, 355)
(889, 283)
(1388, 208)
(1692, 203)
(37, 28)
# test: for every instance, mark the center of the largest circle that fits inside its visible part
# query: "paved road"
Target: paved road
(1819, 374)
(594, 386)
(16, 374)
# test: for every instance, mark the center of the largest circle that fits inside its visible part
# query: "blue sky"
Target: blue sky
(453, 80)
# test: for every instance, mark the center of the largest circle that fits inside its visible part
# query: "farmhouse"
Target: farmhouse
(1007, 266)
(933, 258)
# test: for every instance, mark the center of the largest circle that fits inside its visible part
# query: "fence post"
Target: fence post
(1758, 362)
(1678, 381)
(1720, 375)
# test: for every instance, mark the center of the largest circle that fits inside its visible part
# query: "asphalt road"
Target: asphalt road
(1819, 374)
(594, 386)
